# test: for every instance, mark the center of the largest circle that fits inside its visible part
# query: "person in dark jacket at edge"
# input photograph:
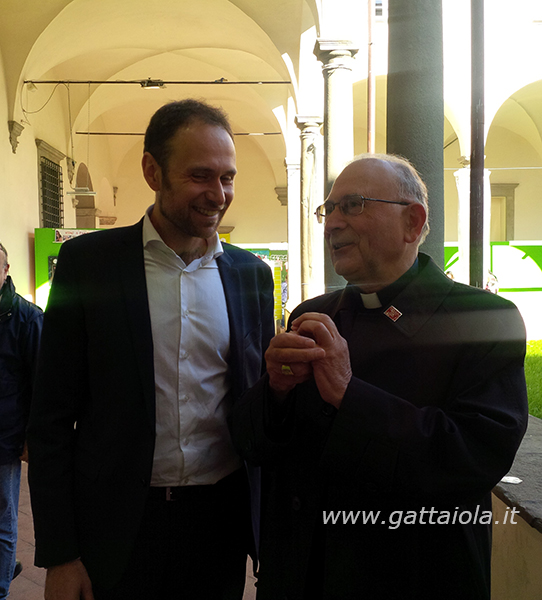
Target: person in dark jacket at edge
(389, 411)
(20, 329)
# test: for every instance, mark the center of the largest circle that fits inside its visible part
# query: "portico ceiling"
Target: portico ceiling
(98, 40)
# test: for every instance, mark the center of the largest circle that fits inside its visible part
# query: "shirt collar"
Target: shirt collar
(152, 237)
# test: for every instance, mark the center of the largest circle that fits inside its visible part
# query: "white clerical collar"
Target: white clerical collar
(370, 300)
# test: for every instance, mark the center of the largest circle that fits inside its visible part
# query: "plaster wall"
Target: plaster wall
(255, 213)
(504, 147)
(523, 167)
(19, 199)
(451, 203)
(47, 116)
(96, 154)
(133, 195)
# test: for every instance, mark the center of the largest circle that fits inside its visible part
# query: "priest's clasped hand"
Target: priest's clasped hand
(313, 348)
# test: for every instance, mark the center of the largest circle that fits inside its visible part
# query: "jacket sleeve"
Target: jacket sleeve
(451, 453)
(30, 352)
(60, 390)
(453, 449)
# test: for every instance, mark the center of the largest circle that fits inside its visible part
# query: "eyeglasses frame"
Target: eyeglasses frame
(321, 218)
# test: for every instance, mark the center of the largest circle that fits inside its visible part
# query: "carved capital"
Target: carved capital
(15, 130)
(71, 168)
(106, 221)
(335, 54)
(282, 195)
(309, 126)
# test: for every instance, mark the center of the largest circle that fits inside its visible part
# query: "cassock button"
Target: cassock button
(327, 409)
(371, 487)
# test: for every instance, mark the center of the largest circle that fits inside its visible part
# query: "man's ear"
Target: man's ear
(415, 220)
(152, 172)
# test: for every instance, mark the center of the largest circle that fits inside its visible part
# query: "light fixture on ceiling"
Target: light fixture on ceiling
(85, 190)
(152, 84)
(81, 191)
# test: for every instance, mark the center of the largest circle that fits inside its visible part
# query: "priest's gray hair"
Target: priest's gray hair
(410, 184)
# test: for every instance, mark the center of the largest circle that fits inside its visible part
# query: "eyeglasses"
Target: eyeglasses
(350, 206)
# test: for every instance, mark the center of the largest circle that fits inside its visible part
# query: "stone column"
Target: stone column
(336, 57)
(294, 253)
(415, 104)
(462, 178)
(310, 132)
(462, 182)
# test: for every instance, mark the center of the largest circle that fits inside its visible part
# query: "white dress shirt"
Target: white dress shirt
(191, 342)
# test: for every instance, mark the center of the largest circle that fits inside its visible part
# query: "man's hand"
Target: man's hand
(288, 360)
(69, 581)
(332, 372)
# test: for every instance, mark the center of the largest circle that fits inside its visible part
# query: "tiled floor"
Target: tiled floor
(29, 584)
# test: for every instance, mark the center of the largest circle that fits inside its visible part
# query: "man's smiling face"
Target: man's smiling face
(197, 184)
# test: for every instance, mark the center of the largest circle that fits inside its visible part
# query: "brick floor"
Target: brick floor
(29, 584)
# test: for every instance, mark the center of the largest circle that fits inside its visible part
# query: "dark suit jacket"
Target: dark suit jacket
(89, 483)
(432, 418)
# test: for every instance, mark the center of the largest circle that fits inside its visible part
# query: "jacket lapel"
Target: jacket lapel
(419, 301)
(231, 282)
(134, 288)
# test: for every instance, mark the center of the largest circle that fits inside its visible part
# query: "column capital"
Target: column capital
(303, 121)
(308, 126)
(335, 53)
(108, 221)
(307, 123)
(291, 165)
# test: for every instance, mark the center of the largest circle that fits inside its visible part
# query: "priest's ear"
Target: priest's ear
(415, 216)
(152, 172)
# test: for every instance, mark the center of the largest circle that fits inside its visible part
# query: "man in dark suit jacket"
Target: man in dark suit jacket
(388, 412)
(151, 334)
